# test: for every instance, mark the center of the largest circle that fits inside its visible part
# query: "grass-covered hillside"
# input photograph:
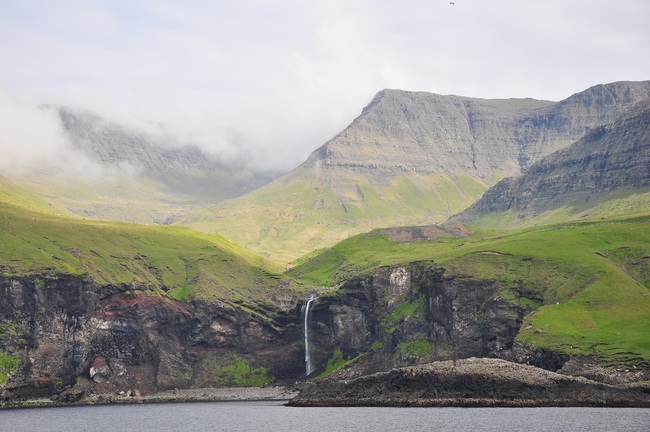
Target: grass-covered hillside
(174, 260)
(593, 277)
(612, 204)
(309, 209)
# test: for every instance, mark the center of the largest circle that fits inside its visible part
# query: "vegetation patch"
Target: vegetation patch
(163, 260)
(231, 369)
(305, 211)
(335, 362)
(421, 351)
(403, 311)
(8, 364)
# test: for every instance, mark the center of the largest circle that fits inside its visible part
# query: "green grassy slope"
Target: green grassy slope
(174, 260)
(302, 211)
(109, 196)
(12, 193)
(605, 205)
(594, 278)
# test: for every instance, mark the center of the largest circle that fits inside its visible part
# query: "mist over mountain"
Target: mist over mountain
(183, 168)
(612, 158)
(409, 158)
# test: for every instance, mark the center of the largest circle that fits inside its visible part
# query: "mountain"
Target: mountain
(609, 166)
(410, 158)
(91, 307)
(120, 171)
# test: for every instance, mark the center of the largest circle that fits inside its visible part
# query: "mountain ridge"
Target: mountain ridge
(410, 158)
(611, 157)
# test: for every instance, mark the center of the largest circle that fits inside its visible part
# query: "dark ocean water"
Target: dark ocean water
(273, 416)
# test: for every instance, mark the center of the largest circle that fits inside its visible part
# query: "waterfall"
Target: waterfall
(305, 312)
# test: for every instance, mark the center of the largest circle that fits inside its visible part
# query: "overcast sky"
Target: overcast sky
(279, 78)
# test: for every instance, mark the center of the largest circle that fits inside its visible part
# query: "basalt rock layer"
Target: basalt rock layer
(471, 383)
(65, 331)
(412, 314)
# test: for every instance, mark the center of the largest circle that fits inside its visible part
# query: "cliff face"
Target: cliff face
(71, 336)
(66, 331)
(612, 157)
(402, 131)
(413, 314)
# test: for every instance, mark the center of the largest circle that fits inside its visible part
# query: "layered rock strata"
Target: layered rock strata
(470, 383)
(66, 331)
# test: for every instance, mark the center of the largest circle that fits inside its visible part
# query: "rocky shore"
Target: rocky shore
(179, 395)
(471, 382)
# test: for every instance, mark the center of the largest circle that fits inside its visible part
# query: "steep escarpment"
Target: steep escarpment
(108, 307)
(576, 291)
(64, 335)
(485, 138)
(406, 315)
(612, 158)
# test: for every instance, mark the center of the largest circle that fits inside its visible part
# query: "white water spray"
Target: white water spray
(305, 312)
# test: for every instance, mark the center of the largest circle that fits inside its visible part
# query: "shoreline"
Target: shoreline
(207, 394)
(473, 382)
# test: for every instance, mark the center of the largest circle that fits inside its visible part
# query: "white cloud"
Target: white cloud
(284, 76)
(28, 136)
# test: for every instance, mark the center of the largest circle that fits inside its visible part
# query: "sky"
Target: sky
(274, 80)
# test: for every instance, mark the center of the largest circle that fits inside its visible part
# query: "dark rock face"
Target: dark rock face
(470, 382)
(65, 330)
(413, 314)
(610, 158)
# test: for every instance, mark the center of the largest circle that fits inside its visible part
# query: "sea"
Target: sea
(274, 416)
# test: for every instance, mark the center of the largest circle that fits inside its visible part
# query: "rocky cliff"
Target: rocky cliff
(614, 157)
(401, 131)
(65, 336)
(406, 315)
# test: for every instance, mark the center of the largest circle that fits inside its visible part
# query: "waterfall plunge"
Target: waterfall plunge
(305, 311)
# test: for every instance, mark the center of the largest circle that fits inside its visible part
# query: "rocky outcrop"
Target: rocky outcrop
(471, 383)
(613, 157)
(68, 332)
(406, 315)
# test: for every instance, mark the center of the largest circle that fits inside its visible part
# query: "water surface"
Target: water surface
(273, 416)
